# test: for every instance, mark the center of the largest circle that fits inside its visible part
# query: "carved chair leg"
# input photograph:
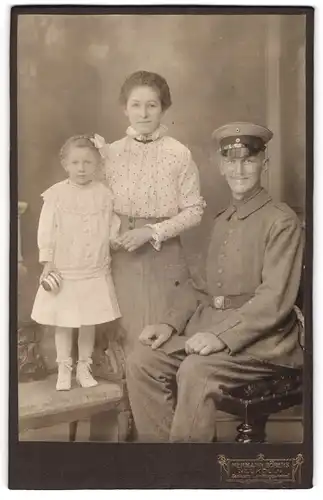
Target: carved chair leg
(252, 431)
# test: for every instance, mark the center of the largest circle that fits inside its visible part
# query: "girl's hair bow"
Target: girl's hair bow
(99, 142)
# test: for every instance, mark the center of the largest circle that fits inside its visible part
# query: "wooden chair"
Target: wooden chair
(255, 402)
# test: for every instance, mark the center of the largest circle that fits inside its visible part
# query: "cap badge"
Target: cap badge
(237, 139)
(237, 130)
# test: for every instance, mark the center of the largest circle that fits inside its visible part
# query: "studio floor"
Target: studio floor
(280, 429)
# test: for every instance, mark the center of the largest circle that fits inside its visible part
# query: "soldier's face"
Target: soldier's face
(243, 174)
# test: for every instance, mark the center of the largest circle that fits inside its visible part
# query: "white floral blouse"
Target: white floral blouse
(75, 227)
(155, 179)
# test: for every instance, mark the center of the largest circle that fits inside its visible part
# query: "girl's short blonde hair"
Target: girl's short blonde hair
(78, 141)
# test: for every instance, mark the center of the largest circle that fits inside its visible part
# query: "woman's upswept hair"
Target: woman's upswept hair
(149, 79)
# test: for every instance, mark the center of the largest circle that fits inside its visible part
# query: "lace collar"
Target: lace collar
(157, 134)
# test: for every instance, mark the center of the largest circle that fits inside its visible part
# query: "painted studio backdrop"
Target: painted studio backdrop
(219, 68)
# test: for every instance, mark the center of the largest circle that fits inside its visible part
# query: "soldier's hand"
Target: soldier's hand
(204, 343)
(156, 335)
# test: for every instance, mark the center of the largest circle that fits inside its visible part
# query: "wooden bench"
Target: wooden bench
(40, 405)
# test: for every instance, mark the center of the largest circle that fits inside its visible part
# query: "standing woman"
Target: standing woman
(156, 187)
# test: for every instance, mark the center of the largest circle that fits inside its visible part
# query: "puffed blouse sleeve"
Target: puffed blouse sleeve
(190, 204)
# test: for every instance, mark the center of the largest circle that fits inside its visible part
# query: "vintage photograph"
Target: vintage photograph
(162, 227)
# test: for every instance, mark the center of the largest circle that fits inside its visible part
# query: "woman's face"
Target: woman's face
(144, 109)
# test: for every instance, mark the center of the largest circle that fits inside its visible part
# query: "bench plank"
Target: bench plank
(40, 405)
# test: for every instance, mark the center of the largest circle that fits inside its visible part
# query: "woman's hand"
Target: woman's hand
(115, 244)
(135, 238)
(48, 268)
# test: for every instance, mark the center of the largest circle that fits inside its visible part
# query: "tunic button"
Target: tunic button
(219, 284)
(220, 271)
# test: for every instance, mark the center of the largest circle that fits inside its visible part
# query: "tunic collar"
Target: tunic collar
(247, 207)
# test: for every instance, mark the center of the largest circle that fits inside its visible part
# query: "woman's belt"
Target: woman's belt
(134, 222)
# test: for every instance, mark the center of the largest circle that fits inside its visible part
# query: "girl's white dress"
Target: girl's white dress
(75, 228)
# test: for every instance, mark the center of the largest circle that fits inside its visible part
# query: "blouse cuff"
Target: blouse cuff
(45, 255)
(154, 241)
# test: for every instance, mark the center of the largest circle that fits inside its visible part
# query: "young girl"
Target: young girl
(76, 289)
(156, 188)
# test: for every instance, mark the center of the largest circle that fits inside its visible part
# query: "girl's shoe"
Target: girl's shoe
(64, 375)
(83, 373)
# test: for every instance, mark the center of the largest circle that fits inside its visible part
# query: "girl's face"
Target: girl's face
(144, 109)
(81, 164)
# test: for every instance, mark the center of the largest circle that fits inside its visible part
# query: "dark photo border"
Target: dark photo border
(44, 465)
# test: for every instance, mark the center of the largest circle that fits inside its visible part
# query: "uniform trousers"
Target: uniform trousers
(175, 397)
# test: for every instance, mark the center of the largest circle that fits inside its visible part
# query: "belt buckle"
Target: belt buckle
(218, 302)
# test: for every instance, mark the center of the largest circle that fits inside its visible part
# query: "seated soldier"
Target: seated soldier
(242, 326)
